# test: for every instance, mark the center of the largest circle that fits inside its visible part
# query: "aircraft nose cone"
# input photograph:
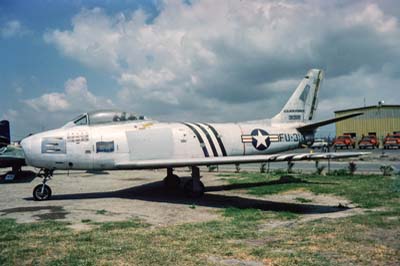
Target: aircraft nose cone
(26, 145)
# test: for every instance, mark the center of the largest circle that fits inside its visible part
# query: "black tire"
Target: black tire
(172, 182)
(38, 195)
(188, 188)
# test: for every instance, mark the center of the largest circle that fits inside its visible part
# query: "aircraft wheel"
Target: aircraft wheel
(172, 182)
(39, 195)
(194, 190)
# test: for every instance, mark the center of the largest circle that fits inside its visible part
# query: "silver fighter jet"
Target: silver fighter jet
(108, 140)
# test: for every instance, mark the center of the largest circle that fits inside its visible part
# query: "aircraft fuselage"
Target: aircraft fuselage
(87, 147)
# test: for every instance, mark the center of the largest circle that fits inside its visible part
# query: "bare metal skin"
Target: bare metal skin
(108, 140)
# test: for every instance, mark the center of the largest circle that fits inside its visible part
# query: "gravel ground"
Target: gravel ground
(120, 195)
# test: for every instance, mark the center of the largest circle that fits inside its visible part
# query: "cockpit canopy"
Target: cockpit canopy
(105, 117)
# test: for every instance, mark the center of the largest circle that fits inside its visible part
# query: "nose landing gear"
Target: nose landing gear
(43, 191)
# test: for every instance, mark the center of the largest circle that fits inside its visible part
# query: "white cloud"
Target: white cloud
(75, 98)
(13, 28)
(54, 109)
(51, 102)
(210, 57)
(93, 41)
(375, 17)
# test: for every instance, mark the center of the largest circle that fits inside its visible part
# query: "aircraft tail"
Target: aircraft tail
(4, 133)
(303, 103)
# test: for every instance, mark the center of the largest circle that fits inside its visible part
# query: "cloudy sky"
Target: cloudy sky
(191, 60)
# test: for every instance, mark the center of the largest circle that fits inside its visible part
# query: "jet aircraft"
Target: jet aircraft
(110, 140)
(10, 155)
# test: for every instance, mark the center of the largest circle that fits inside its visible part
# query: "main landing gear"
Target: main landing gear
(171, 181)
(193, 188)
(43, 191)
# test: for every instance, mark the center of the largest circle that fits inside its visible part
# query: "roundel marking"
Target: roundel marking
(260, 139)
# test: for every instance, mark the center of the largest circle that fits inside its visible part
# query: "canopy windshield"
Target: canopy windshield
(106, 117)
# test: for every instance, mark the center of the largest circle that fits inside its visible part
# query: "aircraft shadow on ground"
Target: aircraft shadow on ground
(155, 192)
(20, 177)
(282, 180)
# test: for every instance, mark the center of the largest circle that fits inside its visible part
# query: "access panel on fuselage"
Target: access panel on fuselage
(193, 140)
(150, 143)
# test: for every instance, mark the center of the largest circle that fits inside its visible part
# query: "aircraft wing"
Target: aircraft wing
(152, 164)
(11, 156)
(314, 126)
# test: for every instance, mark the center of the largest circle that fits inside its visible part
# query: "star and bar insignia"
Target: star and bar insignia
(260, 139)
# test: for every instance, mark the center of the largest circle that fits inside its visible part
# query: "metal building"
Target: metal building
(378, 120)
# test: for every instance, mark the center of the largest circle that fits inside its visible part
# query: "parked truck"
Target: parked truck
(345, 141)
(391, 141)
(370, 141)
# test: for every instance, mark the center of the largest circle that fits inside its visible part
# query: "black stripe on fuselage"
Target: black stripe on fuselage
(202, 144)
(221, 145)
(214, 150)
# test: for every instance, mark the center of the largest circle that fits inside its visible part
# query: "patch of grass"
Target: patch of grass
(279, 172)
(286, 215)
(134, 223)
(363, 239)
(396, 184)
(256, 215)
(226, 174)
(339, 172)
(244, 214)
(249, 178)
(367, 191)
(302, 200)
(101, 212)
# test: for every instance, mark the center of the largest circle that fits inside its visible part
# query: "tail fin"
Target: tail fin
(303, 102)
(4, 132)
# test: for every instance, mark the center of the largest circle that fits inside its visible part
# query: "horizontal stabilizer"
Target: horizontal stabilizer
(151, 164)
(314, 126)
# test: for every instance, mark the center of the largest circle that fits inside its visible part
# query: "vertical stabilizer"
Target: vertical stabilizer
(4, 133)
(302, 104)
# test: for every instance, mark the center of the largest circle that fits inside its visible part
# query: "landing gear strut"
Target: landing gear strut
(43, 191)
(194, 188)
(171, 181)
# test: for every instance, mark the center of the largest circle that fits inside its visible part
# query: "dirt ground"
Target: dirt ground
(79, 197)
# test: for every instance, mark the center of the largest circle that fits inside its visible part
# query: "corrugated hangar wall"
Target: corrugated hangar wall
(378, 120)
